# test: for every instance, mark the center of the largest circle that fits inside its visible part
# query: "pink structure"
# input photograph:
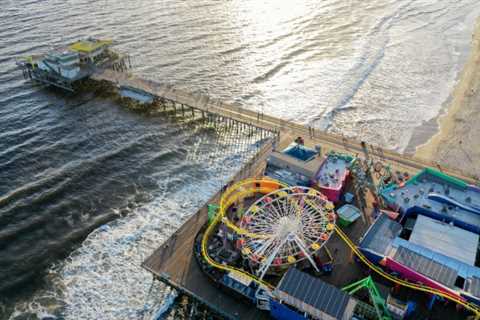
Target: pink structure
(416, 277)
(333, 175)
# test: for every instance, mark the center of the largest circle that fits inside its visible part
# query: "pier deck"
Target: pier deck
(266, 122)
(174, 262)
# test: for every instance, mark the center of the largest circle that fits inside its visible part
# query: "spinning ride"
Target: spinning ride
(285, 227)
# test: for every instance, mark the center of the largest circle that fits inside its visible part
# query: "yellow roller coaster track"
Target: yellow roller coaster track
(247, 187)
(238, 191)
(469, 306)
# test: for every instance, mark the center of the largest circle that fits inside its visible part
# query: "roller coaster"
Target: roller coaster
(266, 186)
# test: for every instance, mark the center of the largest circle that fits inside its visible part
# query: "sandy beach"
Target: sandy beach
(457, 144)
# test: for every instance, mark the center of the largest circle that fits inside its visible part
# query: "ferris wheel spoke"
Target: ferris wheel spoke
(263, 247)
(287, 223)
(307, 254)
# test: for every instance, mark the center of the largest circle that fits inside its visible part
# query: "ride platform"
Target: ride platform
(174, 262)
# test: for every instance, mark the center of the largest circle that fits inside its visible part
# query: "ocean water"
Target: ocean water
(89, 188)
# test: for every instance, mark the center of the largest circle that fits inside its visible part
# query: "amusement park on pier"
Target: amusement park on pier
(313, 226)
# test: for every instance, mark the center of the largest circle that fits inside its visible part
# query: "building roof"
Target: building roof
(426, 266)
(430, 190)
(348, 212)
(87, 46)
(285, 161)
(446, 239)
(381, 234)
(334, 170)
(312, 295)
(300, 152)
(462, 269)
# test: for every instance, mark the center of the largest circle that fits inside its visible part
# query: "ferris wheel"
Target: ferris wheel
(286, 226)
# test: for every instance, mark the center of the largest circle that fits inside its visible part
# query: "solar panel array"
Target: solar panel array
(311, 293)
(426, 266)
(474, 287)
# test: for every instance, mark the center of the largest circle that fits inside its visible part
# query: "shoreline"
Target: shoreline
(456, 143)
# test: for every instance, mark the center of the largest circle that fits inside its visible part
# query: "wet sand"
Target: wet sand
(457, 144)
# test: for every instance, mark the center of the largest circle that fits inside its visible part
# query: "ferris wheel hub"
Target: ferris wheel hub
(287, 226)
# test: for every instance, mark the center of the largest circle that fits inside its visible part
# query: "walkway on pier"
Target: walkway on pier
(197, 101)
(215, 106)
(173, 263)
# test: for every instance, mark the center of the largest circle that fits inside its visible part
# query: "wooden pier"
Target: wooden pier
(174, 262)
(206, 105)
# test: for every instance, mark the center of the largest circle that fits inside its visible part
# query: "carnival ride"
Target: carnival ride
(414, 286)
(376, 298)
(237, 192)
(261, 232)
(285, 227)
